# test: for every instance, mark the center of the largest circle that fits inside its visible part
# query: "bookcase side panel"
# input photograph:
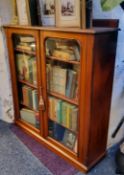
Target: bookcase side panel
(103, 69)
(85, 97)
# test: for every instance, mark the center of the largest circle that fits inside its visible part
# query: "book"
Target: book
(64, 112)
(26, 39)
(20, 66)
(34, 71)
(35, 104)
(25, 95)
(58, 81)
(64, 54)
(58, 132)
(69, 139)
(71, 83)
(74, 119)
(70, 110)
(28, 116)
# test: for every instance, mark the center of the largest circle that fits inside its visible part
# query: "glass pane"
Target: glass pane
(26, 68)
(63, 71)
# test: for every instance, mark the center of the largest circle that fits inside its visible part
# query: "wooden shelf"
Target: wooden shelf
(75, 132)
(27, 83)
(28, 107)
(65, 61)
(57, 95)
(26, 51)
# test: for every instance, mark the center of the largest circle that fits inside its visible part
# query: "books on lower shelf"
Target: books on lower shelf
(63, 135)
(30, 117)
(63, 113)
(62, 80)
(30, 97)
(26, 68)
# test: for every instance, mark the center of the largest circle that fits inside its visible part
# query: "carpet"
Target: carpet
(22, 155)
(15, 157)
(59, 166)
(53, 162)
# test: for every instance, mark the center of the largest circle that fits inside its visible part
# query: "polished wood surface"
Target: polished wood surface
(97, 49)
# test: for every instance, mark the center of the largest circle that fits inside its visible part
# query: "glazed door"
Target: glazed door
(61, 60)
(24, 62)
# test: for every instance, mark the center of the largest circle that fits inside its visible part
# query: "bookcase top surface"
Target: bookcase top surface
(93, 30)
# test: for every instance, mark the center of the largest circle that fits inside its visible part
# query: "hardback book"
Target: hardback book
(59, 110)
(48, 74)
(34, 71)
(30, 67)
(20, 66)
(58, 81)
(69, 112)
(64, 54)
(71, 83)
(25, 95)
(64, 113)
(28, 116)
(23, 47)
(58, 132)
(74, 119)
(30, 100)
(35, 100)
(69, 139)
(27, 39)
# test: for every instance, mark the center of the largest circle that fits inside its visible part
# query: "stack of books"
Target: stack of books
(63, 113)
(26, 68)
(26, 43)
(63, 49)
(30, 97)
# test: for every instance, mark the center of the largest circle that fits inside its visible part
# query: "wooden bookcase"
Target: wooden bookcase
(72, 123)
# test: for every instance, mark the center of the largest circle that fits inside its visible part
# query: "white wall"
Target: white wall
(6, 108)
(117, 109)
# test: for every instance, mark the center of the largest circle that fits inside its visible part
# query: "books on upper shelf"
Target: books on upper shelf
(62, 80)
(30, 117)
(30, 97)
(67, 50)
(26, 43)
(26, 68)
(63, 113)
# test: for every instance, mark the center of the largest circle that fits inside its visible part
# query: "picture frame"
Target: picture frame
(68, 13)
(46, 11)
(23, 12)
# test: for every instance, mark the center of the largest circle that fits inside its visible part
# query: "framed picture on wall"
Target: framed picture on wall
(68, 13)
(46, 11)
(23, 12)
